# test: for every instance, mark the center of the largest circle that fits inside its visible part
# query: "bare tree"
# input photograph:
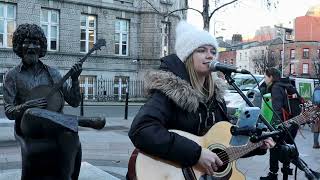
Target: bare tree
(205, 13)
(263, 61)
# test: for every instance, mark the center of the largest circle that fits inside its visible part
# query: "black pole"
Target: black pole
(126, 106)
(81, 105)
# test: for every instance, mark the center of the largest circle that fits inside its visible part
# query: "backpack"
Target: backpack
(293, 103)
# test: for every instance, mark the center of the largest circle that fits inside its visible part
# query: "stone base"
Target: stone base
(87, 172)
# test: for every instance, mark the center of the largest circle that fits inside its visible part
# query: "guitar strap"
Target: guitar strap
(188, 174)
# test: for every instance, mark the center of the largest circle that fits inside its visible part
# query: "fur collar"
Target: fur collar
(179, 90)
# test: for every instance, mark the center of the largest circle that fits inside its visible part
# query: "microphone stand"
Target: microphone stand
(292, 154)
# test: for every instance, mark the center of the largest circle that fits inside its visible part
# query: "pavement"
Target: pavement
(110, 148)
(104, 153)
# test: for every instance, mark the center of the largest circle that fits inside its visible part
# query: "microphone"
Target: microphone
(225, 68)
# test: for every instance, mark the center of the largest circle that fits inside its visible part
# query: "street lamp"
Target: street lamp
(214, 26)
(285, 30)
(282, 55)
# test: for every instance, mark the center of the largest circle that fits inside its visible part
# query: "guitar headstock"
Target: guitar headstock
(99, 44)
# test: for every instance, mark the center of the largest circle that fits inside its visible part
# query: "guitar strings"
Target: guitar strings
(226, 158)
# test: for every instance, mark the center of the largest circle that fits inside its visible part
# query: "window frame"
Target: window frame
(292, 53)
(307, 53)
(121, 34)
(87, 29)
(5, 23)
(292, 69)
(85, 85)
(303, 68)
(49, 25)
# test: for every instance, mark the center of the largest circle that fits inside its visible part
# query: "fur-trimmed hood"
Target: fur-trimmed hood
(179, 90)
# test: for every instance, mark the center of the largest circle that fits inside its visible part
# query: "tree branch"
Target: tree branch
(183, 9)
(152, 6)
(221, 7)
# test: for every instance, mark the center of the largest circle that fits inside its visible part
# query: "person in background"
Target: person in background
(280, 105)
(316, 132)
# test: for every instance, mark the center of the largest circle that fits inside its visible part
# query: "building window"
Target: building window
(292, 69)
(50, 26)
(281, 54)
(7, 24)
(318, 53)
(165, 38)
(121, 37)
(305, 53)
(240, 56)
(1, 83)
(88, 32)
(292, 54)
(231, 61)
(225, 61)
(88, 86)
(305, 68)
(121, 86)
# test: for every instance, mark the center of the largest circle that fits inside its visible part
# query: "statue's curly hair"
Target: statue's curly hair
(31, 31)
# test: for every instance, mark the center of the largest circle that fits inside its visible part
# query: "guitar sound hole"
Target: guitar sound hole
(224, 158)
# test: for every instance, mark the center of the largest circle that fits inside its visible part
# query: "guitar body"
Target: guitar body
(55, 102)
(217, 139)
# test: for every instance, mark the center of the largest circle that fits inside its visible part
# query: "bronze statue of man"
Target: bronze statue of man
(44, 156)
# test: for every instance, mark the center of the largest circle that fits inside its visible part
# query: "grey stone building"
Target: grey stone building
(137, 32)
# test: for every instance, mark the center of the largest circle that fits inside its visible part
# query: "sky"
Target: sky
(246, 16)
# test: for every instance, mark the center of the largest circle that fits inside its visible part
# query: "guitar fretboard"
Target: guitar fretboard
(301, 118)
(236, 152)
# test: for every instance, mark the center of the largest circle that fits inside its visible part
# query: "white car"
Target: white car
(245, 82)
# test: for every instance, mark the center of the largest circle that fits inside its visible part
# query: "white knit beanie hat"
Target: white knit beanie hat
(189, 38)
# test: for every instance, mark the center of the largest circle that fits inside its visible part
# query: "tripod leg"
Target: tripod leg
(286, 170)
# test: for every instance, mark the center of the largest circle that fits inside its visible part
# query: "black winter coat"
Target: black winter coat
(174, 104)
(279, 99)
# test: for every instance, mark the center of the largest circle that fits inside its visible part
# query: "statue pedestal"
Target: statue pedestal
(87, 172)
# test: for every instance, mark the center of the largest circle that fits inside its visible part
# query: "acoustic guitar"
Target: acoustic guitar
(217, 140)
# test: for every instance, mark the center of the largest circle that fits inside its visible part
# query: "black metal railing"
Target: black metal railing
(108, 90)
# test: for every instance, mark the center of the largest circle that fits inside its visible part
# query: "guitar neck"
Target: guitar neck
(66, 76)
(300, 119)
(236, 152)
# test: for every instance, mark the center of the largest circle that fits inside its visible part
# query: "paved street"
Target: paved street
(110, 149)
(106, 110)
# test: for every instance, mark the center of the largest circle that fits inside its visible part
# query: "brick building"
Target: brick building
(137, 35)
(228, 57)
(301, 57)
(307, 28)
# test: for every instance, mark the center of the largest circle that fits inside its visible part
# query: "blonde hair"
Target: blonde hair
(207, 89)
